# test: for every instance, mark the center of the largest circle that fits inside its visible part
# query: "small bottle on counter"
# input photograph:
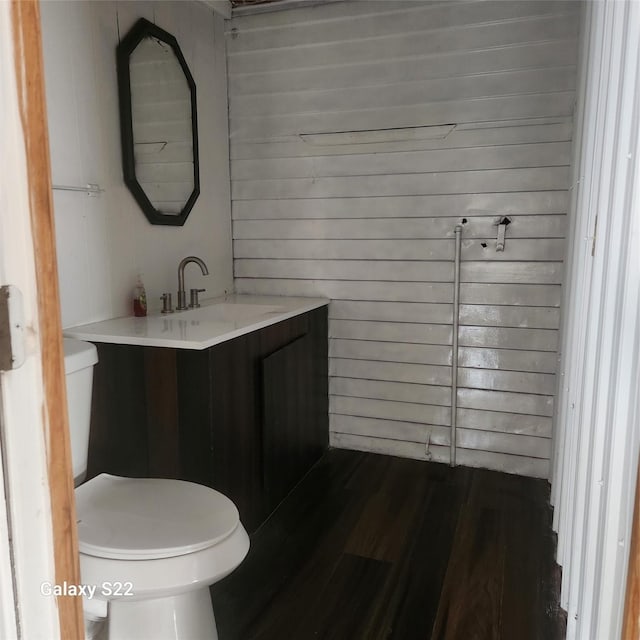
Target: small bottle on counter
(139, 299)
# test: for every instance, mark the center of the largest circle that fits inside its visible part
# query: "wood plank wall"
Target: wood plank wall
(361, 134)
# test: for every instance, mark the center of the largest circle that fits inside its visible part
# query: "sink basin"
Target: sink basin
(230, 312)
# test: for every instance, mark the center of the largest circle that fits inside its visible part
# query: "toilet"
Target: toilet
(151, 547)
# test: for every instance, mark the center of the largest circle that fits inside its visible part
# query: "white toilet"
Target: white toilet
(151, 547)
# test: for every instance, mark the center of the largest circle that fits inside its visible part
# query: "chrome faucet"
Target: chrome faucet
(182, 294)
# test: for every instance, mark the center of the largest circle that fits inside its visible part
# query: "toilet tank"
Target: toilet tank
(79, 359)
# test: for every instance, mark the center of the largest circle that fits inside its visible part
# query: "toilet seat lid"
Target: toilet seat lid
(149, 518)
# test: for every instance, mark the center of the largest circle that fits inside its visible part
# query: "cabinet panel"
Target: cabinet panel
(195, 410)
(235, 426)
(118, 439)
(162, 412)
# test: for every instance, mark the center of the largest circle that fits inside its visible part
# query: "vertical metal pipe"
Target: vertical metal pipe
(454, 350)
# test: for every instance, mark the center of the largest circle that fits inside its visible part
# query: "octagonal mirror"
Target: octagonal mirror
(158, 124)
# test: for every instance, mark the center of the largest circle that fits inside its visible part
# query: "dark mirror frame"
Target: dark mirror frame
(141, 30)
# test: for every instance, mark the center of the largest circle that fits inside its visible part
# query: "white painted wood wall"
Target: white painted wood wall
(348, 178)
(104, 242)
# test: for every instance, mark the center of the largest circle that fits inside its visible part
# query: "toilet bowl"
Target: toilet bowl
(149, 547)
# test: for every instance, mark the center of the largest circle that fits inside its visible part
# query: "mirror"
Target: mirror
(158, 124)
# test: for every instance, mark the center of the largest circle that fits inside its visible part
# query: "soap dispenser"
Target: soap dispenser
(139, 299)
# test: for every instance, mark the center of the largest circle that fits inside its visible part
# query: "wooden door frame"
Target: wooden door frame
(38, 478)
(631, 630)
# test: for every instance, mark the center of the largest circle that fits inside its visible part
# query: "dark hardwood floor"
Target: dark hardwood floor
(371, 547)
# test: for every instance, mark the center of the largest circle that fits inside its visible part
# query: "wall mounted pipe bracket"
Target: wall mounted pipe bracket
(503, 223)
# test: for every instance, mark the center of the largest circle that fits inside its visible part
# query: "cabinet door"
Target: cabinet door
(235, 426)
(291, 442)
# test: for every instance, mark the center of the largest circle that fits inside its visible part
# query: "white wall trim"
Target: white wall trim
(597, 421)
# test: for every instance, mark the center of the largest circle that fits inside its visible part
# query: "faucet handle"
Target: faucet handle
(194, 304)
(166, 303)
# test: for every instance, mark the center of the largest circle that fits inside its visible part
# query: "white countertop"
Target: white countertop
(216, 321)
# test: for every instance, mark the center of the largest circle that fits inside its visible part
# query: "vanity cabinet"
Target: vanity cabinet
(248, 417)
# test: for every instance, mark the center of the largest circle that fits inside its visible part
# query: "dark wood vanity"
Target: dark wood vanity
(248, 417)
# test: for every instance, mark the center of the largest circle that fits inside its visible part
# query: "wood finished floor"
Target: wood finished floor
(371, 547)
